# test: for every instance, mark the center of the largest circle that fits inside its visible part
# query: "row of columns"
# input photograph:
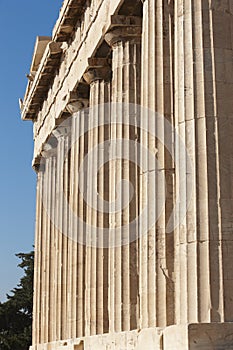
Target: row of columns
(170, 65)
(91, 287)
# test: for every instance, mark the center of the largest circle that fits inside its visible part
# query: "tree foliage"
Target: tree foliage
(16, 312)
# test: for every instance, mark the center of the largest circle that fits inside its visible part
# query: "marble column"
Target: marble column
(61, 221)
(204, 80)
(77, 107)
(98, 76)
(44, 279)
(125, 39)
(51, 244)
(203, 117)
(157, 181)
(36, 335)
(82, 140)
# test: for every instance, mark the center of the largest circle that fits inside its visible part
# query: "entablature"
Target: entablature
(54, 88)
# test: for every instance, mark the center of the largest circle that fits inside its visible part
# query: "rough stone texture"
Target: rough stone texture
(214, 336)
(172, 288)
(150, 339)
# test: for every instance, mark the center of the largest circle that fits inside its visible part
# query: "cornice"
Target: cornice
(42, 81)
(37, 89)
(70, 12)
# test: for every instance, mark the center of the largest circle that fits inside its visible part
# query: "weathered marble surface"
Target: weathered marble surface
(174, 283)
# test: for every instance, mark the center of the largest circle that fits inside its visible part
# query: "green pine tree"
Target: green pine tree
(16, 312)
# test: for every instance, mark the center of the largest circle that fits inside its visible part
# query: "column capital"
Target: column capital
(78, 99)
(98, 69)
(62, 130)
(124, 28)
(50, 148)
(49, 151)
(38, 164)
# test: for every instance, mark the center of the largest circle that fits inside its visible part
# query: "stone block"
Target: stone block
(214, 336)
(150, 339)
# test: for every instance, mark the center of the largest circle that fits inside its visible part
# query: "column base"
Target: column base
(202, 336)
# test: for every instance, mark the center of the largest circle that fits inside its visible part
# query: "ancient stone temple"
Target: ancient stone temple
(132, 106)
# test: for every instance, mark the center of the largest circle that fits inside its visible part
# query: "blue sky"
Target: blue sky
(20, 22)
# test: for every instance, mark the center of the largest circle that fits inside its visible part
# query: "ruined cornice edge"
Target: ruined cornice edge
(67, 4)
(51, 49)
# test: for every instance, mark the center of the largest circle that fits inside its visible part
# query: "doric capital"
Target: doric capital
(124, 28)
(61, 131)
(50, 147)
(38, 164)
(77, 100)
(98, 69)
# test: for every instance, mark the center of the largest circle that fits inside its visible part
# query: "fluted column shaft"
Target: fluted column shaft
(82, 215)
(73, 232)
(98, 76)
(125, 39)
(51, 267)
(59, 275)
(77, 217)
(44, 278)
(203, 75)
(77, 102)
(48, 240)
(45, 233)
(157, 180)
(36, 327)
